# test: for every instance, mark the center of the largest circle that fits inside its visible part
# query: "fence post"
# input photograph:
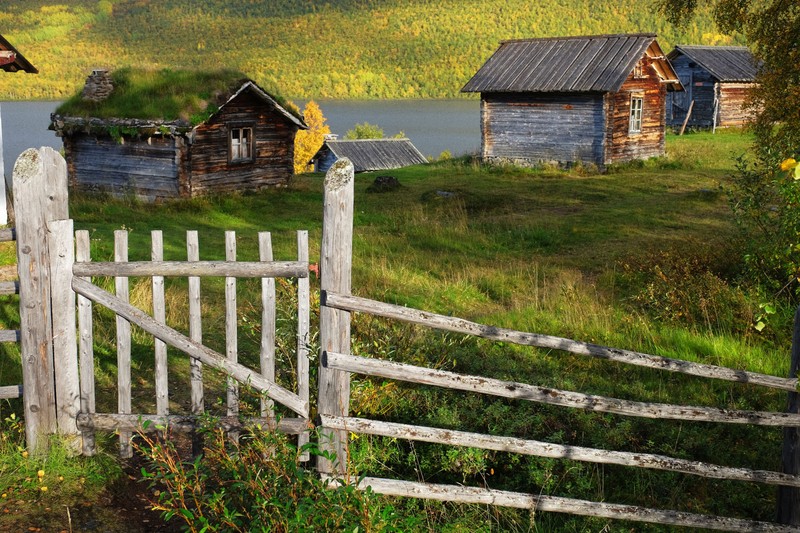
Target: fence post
(789, 497)
(40, 185)
(61, 244)
(336, 256)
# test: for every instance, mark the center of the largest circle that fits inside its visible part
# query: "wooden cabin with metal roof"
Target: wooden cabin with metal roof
(368, 154)
(225, 134)
(717, 82)
(597, 99)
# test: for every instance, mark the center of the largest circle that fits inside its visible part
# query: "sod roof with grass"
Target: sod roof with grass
(182, 98)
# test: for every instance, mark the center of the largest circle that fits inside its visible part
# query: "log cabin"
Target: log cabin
(191, 134)
(718, 79)
(368, 154)
(591, 100)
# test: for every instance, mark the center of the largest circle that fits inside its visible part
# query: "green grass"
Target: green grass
(643, 258)
(164, 95)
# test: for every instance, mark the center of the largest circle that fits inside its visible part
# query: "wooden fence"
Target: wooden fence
(338, 364)
(60, 379)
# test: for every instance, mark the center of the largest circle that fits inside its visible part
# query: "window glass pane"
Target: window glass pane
(636, 114)
(241, 144)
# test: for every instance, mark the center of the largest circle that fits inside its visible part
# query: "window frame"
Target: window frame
(636, 113)
(235, 156)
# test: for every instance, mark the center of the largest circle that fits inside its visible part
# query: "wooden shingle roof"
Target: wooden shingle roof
(598, 63)
(12, 61)
(726, 63)
(375, 154)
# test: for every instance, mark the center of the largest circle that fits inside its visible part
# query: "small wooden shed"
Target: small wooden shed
(597, 99)
(718, 79)
(194, 134)
(368, 154)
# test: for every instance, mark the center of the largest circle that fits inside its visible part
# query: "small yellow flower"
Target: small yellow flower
(61, 478)
(788, 164)
(44, 489)
(40, 473)
(25, 454)
(5, 495)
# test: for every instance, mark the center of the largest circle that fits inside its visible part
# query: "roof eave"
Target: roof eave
(264, 95)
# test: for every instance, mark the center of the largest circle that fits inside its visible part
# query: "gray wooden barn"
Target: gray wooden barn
(596, 99)
(368, 154)
(718, 79)
(230, 136)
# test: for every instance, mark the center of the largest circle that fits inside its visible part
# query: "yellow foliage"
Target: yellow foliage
(307, 142)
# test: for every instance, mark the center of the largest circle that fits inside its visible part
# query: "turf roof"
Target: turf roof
(163, 95)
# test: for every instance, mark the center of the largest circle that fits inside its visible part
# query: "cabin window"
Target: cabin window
(240, 145)
(635, 125)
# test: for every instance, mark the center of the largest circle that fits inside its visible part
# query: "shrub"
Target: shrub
(254, 483)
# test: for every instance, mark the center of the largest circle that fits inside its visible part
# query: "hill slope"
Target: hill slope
(335, 49)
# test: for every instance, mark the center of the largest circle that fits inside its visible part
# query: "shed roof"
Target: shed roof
(13, 61)
(375, 154)
(597, 63)
(167, 100)
(726, 63)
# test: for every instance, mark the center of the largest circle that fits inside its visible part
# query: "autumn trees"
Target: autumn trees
(307, 142)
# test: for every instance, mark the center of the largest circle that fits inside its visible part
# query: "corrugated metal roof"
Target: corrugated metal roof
(598, 63)
(376, 154)
(726, 63)
(15, 61)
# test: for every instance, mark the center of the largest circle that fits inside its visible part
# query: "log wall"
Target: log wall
(733, 97)
(622, 144)
(146, 168)
(542, 127)
(274, 145)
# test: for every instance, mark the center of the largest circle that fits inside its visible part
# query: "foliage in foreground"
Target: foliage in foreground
(256, 483)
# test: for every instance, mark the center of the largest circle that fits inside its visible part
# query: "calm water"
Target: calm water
(432, 125)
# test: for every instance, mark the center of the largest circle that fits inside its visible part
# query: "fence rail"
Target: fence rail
(347, 302)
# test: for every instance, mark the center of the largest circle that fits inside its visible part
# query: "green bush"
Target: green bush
(256, 483)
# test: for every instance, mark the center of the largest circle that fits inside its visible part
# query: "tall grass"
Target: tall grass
(620, 259)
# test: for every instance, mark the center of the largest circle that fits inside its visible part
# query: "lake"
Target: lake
(432, 125)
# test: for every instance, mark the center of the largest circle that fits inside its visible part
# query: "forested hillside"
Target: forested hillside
(310, 49)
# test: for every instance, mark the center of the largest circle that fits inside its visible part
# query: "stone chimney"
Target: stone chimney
(98, 86)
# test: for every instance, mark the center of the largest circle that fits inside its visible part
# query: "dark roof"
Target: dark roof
(13, 61)
(598, 63)
(375, 154)
(726, 63)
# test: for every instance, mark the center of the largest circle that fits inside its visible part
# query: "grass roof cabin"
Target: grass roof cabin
(718, 79)
(597, 99)
(166, 134)
(368, 154)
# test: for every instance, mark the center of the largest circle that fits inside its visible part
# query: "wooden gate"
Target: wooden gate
(55, 265)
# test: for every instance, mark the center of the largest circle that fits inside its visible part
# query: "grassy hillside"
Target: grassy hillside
(642, 258)
(333, 49)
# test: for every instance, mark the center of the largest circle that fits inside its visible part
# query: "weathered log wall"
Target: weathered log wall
(536, 127)
(146, 168)
(274, 149)
(622, 144)
(732, 110)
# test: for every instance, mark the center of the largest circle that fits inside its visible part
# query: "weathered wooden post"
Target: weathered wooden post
(336, 255)
(789, 497)
(40, 185)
